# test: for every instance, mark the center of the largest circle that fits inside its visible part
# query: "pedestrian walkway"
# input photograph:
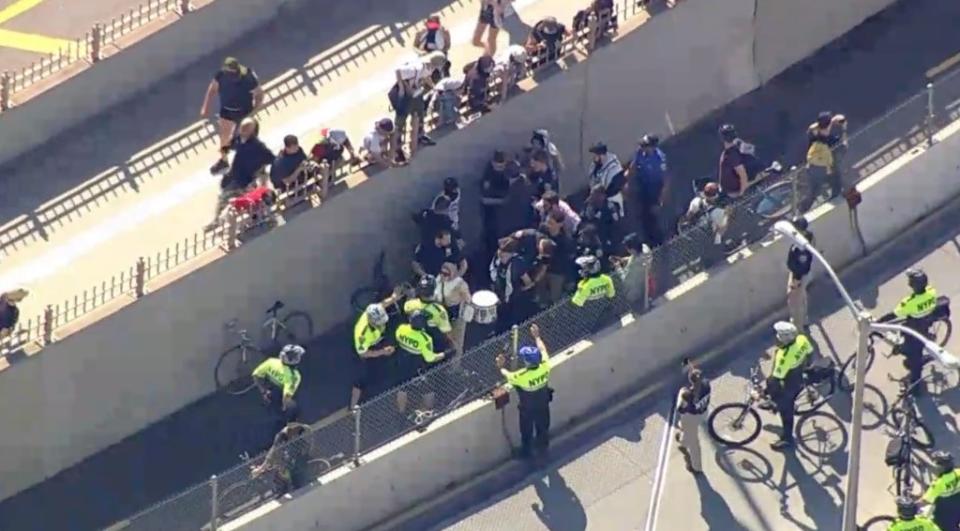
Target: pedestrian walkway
(606, 481)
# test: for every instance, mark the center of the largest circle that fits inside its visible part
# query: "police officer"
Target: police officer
(944, 493)
(907, 519)
(786, 377)
(531, 383)
(593, 284)
(421, 352)
(914, 309)
(370, 346)
(799, 260)
(436, 313)
(648, 182)
(692, 403)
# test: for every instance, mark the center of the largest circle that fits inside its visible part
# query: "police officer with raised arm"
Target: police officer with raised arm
(692, 403)
(786, 377)
(944, 493)
(915, 310)
(532, 385)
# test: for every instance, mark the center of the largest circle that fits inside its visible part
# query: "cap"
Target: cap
(550, 25)
(451, 183)
(385, 124)
(433, 22)
(599, 148)
(436, 60)
(231, 63)
(499, 156)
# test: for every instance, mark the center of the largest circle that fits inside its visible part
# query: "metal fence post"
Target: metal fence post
(356, 411)
(795, 193)
(96, 42)
(214, 503)
(141, 277)
(185, 7)
(515, 340)
(48, 325)
(930, 114)
(6, 82)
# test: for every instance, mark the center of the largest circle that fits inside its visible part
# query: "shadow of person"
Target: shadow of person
(816, 501)
(713, 508)
(559, 508)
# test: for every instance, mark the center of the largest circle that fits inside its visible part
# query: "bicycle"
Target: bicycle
(234, 368)
(941, 328)
(877, 523)
(379, 289)
(422, 418)
(910, 433)
(818, 388)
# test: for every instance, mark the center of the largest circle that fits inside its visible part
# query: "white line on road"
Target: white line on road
(57, 258)
(663, 463)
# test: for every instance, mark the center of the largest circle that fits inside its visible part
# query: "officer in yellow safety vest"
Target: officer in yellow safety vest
(944, 493)
(786, 377)
(532, 385)
(593, 284)
(420, 350)
(371, 348)
(915, 311)
(436, 314)
(909, 520)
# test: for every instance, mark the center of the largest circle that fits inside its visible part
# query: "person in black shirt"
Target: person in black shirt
(511, 281)
(240, 96)
(692, 403)
(799, 261)
(541, 174)
(477, 82)
(252, 155)
(288, 170)
(495, 185)
(543, 43)
(432, 220)
(430, 257)
(9, 313)
(562, 269)
(605, 216)
(590, 244)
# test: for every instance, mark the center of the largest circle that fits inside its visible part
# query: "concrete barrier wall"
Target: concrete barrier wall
(789, 30)
(131, 369)
(120, 77)
(733, 297)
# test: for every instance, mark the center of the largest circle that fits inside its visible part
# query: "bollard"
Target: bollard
(185, 7)
(355, 411)
(930, 114)
(140, 279)
(214, 503)
(48, 325)
(6, 82)
(515, 333)
(96, 42)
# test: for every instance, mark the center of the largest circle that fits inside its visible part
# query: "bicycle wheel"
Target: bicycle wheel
(297, 328)
(877, 523)
(775, 201)
(920, 434)
(814, 395)
(234, 371)
(364, 297)
(941, 330)
(245, 495)
(848, 373)
(734, 424)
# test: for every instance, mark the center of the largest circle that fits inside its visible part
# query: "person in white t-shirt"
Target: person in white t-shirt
(510, 66)
(379, 145)
(410, 93)
(454, 293)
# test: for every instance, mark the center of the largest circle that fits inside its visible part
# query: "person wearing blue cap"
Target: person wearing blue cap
(531, 382)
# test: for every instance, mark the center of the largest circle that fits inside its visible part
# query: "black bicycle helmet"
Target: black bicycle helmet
(649, 141)
(906, 507)
(418, 320)
(800, 223)
(728, 132)
(917, 279)
(426, 287)
(943, 462)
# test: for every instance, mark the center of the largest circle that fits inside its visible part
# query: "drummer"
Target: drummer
(454, 293)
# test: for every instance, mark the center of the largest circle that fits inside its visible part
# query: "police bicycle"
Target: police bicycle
(737, 424)
(877, 523)
(941, 328)
(233, 372)
(909, 433)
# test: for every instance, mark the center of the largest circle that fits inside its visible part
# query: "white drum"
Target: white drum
(482, 308)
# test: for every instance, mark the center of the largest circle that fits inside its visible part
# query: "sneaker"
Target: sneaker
(220, 167)
(782, 444)
(426, 140)
(767, 405)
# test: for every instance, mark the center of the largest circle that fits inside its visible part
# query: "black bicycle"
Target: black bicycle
(877, 523)
(737, 424)
(909, 433)
(379, 289)
(233, 372)
(941, 328)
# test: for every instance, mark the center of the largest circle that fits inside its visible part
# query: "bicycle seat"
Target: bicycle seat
(277, 306)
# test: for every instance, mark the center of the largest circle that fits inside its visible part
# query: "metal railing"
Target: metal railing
(88, 48)
(474, 375)
(132, 281)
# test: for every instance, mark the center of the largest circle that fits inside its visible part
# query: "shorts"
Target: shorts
(486, 16)
(235, 115)
(368, 371)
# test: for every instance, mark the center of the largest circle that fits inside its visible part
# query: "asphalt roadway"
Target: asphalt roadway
(862, 75)
(603, 479)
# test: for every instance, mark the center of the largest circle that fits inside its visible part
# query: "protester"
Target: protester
(540, 140)
(454, 293)
(509, 273)
(447, 96)
(380, 145)
(434, 219)
(251, 157)
(494, 187)
(517, 211)
(551, 201)
(607, 172)
(826, 139)
(430, 257)
(451, 193)
(408, 97)
(633, 267)
(492, 13)
(647, 179)
(511, 67)
(327, 153)
(738, 164)
(561, 270)
(434, 37)
(240, 95)
(692, 403)
(289, 168)
(9, 313)
(545, 39)
(589, 243)
(604, 215)
(477, 84)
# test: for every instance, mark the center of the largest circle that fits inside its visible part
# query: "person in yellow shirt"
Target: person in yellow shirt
(786, 376)
(909, 520)
(944, 493)
(594, 285)
(371, 346)
(532, 385)
(281, 374)
(419, 354)
(915, 311)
